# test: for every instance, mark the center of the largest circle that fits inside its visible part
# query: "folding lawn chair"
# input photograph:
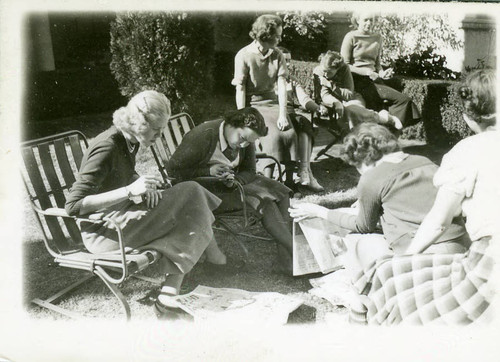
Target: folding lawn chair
(165, 146)
(329, 123)
(49, 169)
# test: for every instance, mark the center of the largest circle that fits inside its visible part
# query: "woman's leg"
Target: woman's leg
(214, 254)
(279, 228)
(400, 105)
(368, 90)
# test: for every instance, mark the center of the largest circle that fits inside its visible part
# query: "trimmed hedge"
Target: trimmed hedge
(170, 52)
(437, 100)
(72, 92)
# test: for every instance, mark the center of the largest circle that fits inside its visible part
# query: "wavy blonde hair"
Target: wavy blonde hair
(146, 107)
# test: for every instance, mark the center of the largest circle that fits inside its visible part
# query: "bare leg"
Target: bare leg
(279, 227)
(306, 176)
(214, 254)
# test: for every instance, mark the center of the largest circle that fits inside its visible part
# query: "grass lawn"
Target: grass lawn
(42, 278)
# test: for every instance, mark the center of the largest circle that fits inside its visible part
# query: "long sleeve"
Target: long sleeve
(370, 210)
(191, 157)
(94, 170)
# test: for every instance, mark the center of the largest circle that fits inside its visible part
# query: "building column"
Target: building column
(479, 40)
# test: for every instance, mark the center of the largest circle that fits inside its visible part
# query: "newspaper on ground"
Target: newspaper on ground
(334, 287)
(318, 248)
(206, 303)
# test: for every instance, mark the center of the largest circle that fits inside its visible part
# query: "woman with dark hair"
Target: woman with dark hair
(395, 189)
(177, 222)
(362, 49)
(225, 149)
(259, 68)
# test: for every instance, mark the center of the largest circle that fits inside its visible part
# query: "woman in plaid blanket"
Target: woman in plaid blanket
(447, 288)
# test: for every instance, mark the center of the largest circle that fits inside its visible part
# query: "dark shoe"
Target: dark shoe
(169, 310)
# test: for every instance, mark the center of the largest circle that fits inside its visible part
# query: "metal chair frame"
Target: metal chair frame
(165, 146)
(46, 182)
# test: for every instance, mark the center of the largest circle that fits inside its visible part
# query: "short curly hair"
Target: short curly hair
(247, 117)
(265, 27)
(478, 94)
(330, 60)
(144, 108)
(367, 143)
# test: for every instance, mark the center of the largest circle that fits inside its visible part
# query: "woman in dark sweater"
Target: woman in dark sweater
(396, 190)
(225, 150)
(176, 222)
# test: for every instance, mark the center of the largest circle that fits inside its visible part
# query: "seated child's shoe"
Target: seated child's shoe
(395, 122)
(304, 177)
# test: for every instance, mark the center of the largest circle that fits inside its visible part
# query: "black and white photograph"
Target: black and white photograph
(249, 181)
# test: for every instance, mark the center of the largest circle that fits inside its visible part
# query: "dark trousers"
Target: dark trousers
(376, 94)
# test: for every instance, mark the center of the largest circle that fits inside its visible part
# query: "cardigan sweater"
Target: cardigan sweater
(399, 195)
(107, 165)
(190, 159)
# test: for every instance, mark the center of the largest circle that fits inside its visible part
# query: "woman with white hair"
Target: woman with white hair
(176, 222)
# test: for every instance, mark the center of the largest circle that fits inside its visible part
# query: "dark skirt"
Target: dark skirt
(280, 144)
(260, 189)
(179, 227)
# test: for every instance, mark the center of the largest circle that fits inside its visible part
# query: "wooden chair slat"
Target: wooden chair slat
(43, 197)
(185, 124)
(76, 149)
(48, 166)
(177, 132)
(169, 140)
(62, 159)
(50, 173)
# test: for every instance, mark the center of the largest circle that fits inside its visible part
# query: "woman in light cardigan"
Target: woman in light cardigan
(361, 49)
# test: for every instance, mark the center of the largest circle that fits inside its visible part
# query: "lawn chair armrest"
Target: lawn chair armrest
(278, 164)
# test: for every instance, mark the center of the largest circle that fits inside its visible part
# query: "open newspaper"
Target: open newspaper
(227, 304)
(317, 247)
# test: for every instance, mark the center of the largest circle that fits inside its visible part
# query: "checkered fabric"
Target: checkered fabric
(426, 288)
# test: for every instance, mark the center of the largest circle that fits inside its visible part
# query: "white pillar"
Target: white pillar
(479, 40)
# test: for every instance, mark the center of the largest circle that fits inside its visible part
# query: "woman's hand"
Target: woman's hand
(283, 123)
(144, 184)
(339, 109)
(228, 179)
(307, 210)
(218, 170)
(152, 198)
(347, 94)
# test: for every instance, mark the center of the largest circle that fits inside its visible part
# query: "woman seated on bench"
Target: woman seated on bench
(337, 92)
(225, 150)
(361, 50)
(394, 189)
(177, 222)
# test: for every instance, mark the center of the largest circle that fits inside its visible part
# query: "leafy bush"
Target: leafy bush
(413, 34)
(304, 34)
(453, 121)
(426, 64)
(170, 52)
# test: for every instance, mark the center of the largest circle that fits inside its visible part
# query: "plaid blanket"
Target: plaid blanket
(426, 288)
